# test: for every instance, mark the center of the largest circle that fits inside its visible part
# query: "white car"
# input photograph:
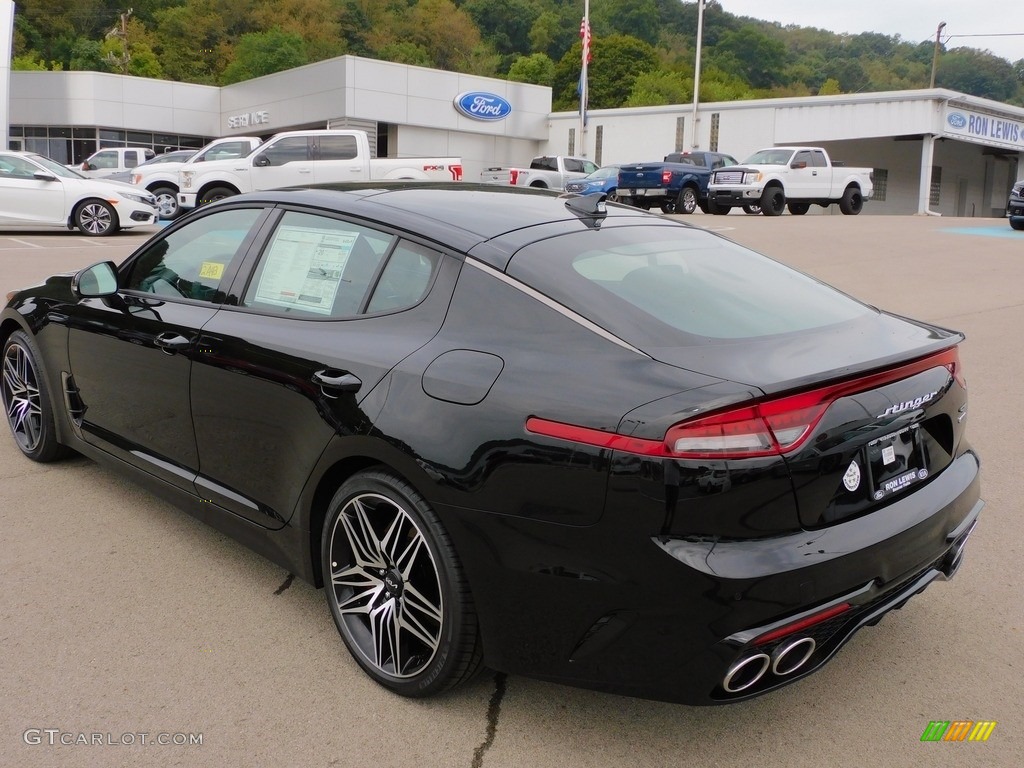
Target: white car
(36, 190)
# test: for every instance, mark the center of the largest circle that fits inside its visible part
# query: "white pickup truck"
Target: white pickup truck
(796, 178)
(296, 158)
(160, 175)
(545, 172)
(112, 160)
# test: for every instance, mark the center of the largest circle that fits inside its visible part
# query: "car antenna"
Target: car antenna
(590, 206)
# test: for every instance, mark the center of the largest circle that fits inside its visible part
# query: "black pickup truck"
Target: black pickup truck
(678, 184)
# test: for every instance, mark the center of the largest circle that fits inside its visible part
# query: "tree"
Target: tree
(638, 18)
(658, 88)
(829, 88)
(28, 62)
(617, 62)
(751, 55)
(978, 73)
(263, 53)
(536, 68)
(317, 22)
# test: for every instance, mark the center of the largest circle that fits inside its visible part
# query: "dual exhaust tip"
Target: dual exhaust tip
(784, 660)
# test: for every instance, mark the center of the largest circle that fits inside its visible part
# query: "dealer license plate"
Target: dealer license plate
(895, 462)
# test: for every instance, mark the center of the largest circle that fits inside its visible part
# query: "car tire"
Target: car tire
(687, 202)
(27, 402)
(396, 589)
(752, 210)
(166, 202)
(852, 202)
(216, 193)
(611, 196)
(1017, 223)
(773, 201)
(96, 218)
(715, 209)
(798, 209)
(669, 206)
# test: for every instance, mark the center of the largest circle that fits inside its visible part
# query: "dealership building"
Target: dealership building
(932, 151)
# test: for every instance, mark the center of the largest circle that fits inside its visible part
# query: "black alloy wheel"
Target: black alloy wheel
(27, 402)
(798, 209)
(215, 194)
(395, 587)
(852, 202)
(773, 201)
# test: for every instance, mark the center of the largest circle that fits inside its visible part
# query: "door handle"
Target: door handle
(340, 381)
(172, 342)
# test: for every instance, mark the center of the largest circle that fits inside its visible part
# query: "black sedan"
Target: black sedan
(508, 428)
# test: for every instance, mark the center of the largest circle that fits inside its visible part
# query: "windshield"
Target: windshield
(605, 173)
(770, 157)
(56, 168)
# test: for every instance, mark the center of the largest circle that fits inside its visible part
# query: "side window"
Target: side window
(104, 159)
(573, 166)
(803, 157)
(191, 262)
(15, 167)
(338, 147)
(819, 159)
(288, 150)
(132, 158)
(317, 266)
(405, 278)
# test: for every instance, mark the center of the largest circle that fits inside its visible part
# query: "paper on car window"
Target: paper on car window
(303, 268)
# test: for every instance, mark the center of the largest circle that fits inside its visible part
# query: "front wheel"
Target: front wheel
(27, 402)
(216, 193)
(166, 202)
(852, 202)
(96, 218)
(396, 589)
(773, 201)
(612, 196)
(1017, 224)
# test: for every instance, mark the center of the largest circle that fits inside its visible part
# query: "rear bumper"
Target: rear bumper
(618, 607)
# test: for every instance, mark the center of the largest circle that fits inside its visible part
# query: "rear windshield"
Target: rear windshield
(674, 286)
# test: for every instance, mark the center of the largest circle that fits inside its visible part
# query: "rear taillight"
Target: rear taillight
(456, 172)
(768, 428)
(666, 177)
(513, 175)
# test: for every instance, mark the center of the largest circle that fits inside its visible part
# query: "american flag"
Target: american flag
(585, 37)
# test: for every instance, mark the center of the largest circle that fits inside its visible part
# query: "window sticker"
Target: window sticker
(303, 268)
(211, 270)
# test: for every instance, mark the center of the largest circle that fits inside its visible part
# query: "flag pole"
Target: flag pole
(584, 95)
(696, 71)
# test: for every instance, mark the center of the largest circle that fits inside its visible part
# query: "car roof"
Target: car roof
(462, 215)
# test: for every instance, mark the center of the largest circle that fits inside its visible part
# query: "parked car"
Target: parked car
(495, 424)
(545, 172)
(160, 175)
(113, 160)
(37, 190)
(793, 178)
(677, 184)
(1015, 206)
(605, 179)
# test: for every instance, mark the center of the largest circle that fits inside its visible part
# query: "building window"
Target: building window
(680, 125)
(713, 144)
(880, 183)
(598, 144)
(572, 141)
(933, 198)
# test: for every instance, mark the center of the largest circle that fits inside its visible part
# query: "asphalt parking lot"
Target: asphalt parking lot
(121, 616)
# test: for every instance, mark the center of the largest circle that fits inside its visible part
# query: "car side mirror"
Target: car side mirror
(43, 176)
(798, 165)
(95, 281)
(88, 167)
(261, 161)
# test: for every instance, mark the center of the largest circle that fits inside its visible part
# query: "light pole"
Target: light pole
(696, 72)
(935, 54)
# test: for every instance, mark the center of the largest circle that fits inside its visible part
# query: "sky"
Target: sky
(913, 20)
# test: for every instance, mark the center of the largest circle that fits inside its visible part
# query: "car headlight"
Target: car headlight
(185, 177)
(752, 178)
(138, 198)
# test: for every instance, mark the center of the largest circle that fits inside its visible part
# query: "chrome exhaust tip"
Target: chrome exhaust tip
(746, 672)
(788, 657)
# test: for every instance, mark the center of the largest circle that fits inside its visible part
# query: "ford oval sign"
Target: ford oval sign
(956, 120)
(482, 106)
